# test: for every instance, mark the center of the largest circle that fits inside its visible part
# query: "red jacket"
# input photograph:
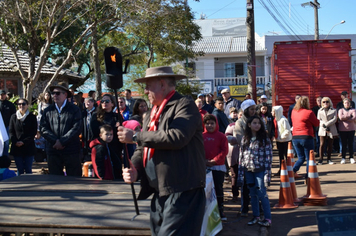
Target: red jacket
(303, 122)
(215, 145)
(101, 160)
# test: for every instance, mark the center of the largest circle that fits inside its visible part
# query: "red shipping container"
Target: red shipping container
(310, 68)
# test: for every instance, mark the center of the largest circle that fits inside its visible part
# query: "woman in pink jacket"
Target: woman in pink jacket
(347, 116)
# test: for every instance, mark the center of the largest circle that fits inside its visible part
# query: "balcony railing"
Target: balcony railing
(241, 80)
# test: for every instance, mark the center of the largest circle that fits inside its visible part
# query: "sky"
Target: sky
(295, 18)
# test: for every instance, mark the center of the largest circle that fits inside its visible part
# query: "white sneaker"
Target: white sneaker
(342, 161)
(331, 163)
(352, 161)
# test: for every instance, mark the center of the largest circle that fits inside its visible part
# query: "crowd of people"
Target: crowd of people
(172, 146)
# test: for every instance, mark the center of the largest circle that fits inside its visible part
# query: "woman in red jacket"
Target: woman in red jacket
(303, 120)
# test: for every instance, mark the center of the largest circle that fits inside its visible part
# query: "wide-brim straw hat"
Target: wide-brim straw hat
(62, 86)
(159, 72)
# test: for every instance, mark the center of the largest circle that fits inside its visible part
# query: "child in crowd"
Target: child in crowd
(216, 149)
(240, 113)
(255, 165)
(218, 112)
(5, 172)
(267, 119)
(101, 156)
(233, 115)
(283, 134)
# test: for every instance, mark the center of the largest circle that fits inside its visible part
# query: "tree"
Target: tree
(67, 30)
(39, 22)
(161, 35)
(168, 29)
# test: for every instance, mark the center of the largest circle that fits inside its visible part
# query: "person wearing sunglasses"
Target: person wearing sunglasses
(61, 125)
(22, 130)
(105, 115)
(327, 116)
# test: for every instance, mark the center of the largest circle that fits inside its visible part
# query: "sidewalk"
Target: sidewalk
(337, 181)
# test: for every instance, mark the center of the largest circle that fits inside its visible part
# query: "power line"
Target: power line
(286, 31)
(287, 11)
(281, 16)
(221, 8)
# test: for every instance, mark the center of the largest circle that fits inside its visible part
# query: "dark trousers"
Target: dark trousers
(218, 177)
(71, 162)
(347, 140)
(325, 141)
(178, 213)
(282, 151)
(234, 172)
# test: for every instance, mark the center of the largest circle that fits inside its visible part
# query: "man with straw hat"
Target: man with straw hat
(170, 158)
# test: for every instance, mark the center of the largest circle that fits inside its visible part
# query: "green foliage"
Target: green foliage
(187, 87)
(14, 99)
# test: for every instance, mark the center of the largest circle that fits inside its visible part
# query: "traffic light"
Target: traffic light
(113, 66)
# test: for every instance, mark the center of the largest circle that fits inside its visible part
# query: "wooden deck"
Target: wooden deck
(60, 204)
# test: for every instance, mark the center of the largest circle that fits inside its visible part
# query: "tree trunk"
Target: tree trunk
(96, 63)
(28, 83)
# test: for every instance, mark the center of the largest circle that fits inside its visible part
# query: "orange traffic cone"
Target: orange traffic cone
(285, 193)
(314, 195)
(291, 156)
(291, 180)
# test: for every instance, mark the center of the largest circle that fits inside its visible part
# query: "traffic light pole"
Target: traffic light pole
(113, 67)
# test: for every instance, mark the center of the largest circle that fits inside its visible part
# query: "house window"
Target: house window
(11, 85)
(233, 69)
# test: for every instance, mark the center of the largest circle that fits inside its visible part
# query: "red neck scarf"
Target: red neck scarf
(155, 114)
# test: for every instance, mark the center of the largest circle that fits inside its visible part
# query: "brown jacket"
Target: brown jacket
(179, 157)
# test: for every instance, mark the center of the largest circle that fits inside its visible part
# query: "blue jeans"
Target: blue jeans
(256, 185)
(303, 147)
(24, 164)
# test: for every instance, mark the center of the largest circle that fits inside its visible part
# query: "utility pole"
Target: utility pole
(251, 59)
(316, 6)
